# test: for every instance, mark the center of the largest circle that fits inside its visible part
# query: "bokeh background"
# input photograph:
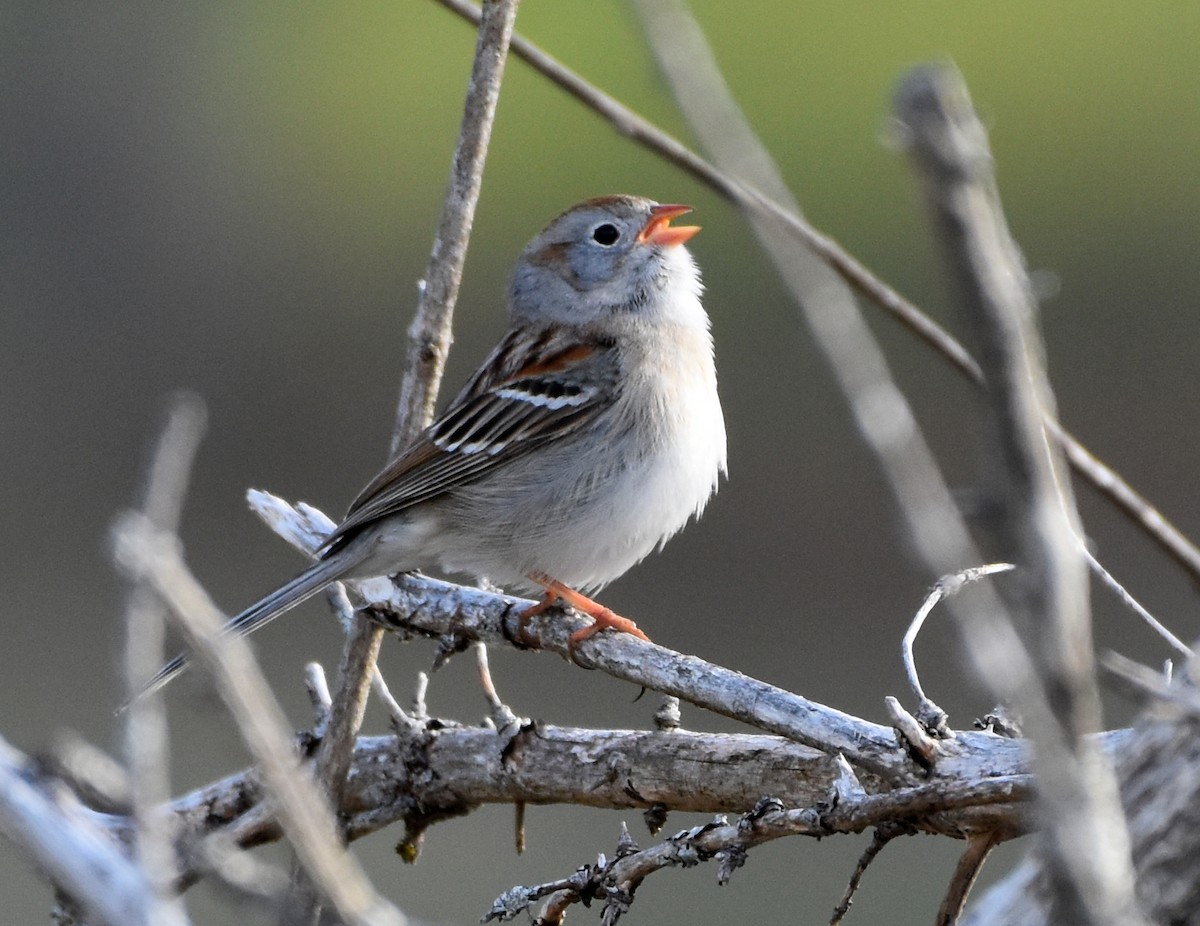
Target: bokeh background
(238, 199)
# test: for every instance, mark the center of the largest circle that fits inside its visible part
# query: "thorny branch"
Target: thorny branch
(614, 882)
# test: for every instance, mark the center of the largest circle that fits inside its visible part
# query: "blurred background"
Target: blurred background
(239, 198)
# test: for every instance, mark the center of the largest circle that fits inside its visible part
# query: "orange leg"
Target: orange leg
(601, 616)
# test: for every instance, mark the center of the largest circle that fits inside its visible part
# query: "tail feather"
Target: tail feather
(287, 596)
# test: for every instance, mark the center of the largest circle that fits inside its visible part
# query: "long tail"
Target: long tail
(299, 589)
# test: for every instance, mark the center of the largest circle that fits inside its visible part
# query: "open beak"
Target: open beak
(659, 231)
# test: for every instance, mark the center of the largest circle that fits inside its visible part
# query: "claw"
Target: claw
(602, 617)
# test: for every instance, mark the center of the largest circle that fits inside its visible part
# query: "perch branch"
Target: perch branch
(441, 610)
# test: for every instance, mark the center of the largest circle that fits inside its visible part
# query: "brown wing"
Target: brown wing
(529, 391)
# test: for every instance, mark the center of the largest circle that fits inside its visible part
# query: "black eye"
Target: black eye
(606, 234)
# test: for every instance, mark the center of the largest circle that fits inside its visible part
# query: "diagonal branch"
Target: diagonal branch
(1103, 478)
(151, 557)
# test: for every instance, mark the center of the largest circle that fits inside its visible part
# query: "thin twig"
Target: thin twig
(945, 587)
(502, 716)
(317, 687)
(1079, 812)
(1103, 478)
(1148, 685)
(879, 839)
(970, 863)
(146, 743)
(1109, 581)
(920, 745)
(429, 341)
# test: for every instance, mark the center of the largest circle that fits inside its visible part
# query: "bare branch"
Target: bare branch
(879, 839)
(429, 335)
(77, 856)
(920, 745)
(451, 769)
(614, 882)
(970, 863)
(1159, 769)
(1078, 807)
(502, 716)
(442, 610)
(1110, 582)
(932, 716)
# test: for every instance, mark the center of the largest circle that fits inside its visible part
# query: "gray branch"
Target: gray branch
(73, 852)
(1078, 813)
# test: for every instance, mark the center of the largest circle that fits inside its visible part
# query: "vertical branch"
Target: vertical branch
(429, 342)
(1078, 811)
(146, 745)
(429, 334)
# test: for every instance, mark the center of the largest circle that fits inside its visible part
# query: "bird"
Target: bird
(590, 435)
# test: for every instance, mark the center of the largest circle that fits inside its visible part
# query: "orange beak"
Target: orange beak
(659, 231)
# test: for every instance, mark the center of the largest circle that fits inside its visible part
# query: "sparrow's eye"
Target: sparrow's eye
(606, 234)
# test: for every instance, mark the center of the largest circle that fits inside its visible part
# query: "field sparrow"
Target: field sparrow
(589, 436)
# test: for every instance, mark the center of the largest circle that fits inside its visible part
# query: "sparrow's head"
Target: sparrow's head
(606, 256)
